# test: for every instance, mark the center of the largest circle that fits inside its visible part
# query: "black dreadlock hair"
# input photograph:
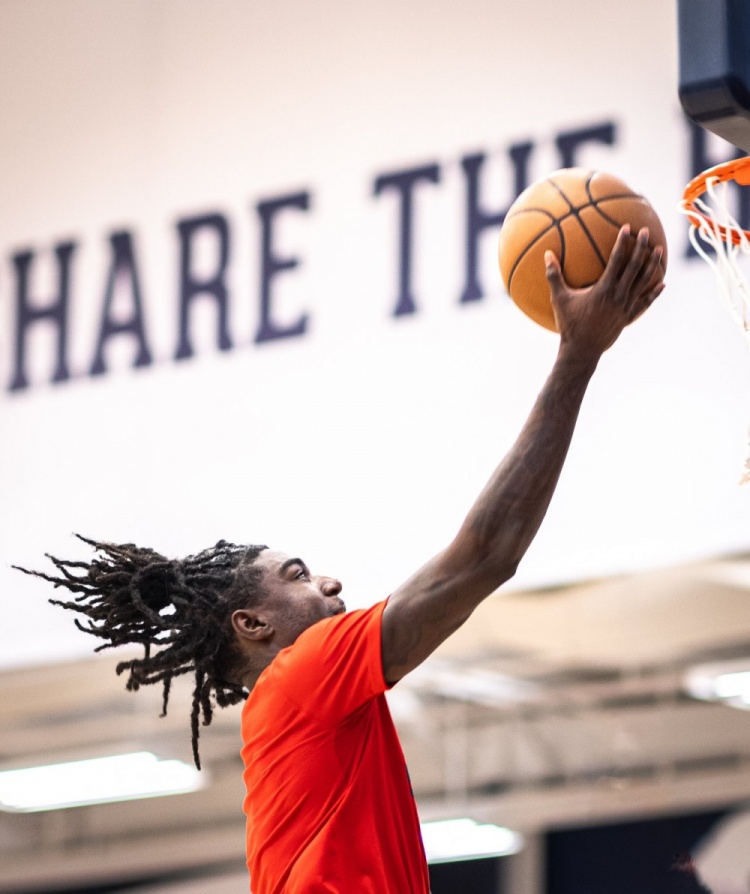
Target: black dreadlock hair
(179, 607)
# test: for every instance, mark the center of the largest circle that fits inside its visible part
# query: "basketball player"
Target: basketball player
(329, 805)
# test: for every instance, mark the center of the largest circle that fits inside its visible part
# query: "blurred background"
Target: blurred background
(249, 290)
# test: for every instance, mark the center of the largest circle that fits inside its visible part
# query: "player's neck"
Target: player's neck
(254, 667)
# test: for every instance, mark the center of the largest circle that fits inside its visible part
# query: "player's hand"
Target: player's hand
(591, 319)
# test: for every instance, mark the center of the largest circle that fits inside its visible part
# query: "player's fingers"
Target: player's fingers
(639, 257)
(554, 273)
(617, 259)
(654, 264)
(649, 276)
(645, 301)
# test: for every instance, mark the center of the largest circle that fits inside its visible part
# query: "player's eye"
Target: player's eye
(301, 575)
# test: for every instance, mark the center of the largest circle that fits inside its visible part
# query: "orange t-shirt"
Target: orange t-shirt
(329, 805)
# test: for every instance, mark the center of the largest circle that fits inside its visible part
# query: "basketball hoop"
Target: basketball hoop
(705, 204)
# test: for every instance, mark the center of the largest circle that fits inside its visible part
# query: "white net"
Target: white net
(719, 239)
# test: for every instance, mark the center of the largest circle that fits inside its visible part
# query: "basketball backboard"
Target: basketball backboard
(714, 71)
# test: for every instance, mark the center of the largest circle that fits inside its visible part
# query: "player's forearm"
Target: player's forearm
(507, 514)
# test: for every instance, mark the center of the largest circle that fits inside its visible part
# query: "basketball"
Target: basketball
(577, 214)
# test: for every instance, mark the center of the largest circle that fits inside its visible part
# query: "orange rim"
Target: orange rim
(738, 169)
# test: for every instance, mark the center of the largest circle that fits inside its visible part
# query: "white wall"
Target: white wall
(360, 444)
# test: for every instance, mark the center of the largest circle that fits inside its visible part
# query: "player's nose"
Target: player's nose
(329, 586)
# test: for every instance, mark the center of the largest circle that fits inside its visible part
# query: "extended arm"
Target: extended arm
(507, 514)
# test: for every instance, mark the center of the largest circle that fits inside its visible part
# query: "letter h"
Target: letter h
(56, 312)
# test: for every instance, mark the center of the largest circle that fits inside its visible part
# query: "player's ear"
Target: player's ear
(251, 625)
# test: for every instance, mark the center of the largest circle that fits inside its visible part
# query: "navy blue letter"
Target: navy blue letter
(56, 312)
(214, 285)
(568, 142)
(268, 330)
(478, 220)
(123, 269)
(404, 182)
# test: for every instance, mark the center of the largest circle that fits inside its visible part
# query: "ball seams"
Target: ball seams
(581, 224)
(557, 221)
(611, 220)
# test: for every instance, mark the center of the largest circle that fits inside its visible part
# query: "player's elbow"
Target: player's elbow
(491, 560)
(503, 570)
(495, 569)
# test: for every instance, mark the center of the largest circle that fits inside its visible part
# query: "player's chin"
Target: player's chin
(338, 608)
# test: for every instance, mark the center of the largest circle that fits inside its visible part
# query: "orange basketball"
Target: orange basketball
(577, 214)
